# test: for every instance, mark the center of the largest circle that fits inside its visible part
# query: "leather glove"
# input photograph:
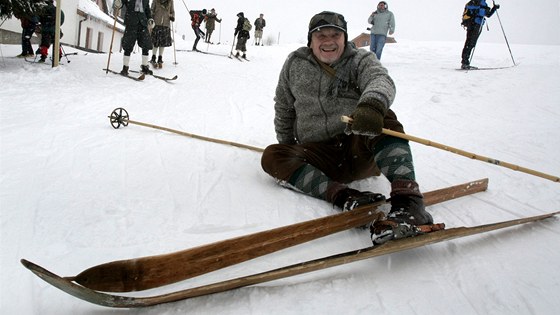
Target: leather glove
(172, 18)
(497, 6)
(367, 120)
(117, 4)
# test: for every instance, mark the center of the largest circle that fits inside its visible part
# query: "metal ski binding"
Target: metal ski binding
(383, 231)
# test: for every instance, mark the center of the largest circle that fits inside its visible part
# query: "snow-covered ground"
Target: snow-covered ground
(74, 192)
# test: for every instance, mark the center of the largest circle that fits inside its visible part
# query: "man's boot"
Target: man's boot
(145, 69)
(160, 62)
(124, 70)
(407, 204)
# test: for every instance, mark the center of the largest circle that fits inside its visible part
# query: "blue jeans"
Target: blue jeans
(377, 43)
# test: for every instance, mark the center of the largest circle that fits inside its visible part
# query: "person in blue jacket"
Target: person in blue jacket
(476, 11)
(382, 22)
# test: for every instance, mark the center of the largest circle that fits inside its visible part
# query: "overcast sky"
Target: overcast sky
(524, 22)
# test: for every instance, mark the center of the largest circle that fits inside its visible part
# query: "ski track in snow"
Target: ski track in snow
(76, 193)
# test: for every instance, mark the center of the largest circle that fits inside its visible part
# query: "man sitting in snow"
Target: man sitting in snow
(319, 155)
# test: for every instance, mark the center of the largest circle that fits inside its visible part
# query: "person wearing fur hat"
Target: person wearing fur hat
(319, 155)
(382, 22)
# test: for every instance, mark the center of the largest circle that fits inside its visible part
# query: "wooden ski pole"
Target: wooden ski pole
(474, 156)
(116, 14)
(119, 117)
(232, 45)
(56, 39)
(191, 135)
(186, 6)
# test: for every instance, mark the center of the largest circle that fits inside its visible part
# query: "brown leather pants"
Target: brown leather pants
(344, 158)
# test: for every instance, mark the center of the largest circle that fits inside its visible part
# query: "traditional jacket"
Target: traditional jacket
(211, 19)
(162, 10)
(259, 24)
(309, 102)
(133, 17)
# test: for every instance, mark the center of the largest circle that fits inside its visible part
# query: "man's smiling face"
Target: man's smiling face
(327, 44)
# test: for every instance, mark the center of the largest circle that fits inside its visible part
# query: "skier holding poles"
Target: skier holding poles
(474, 15)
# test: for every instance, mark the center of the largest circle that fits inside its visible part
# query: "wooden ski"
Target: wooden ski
(390, 247)
(155, 271)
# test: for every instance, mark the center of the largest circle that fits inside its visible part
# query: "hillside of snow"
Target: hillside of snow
(74, 192)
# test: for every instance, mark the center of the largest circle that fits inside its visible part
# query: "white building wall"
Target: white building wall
(78, 17)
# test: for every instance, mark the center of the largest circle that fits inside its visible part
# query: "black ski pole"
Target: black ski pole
(507, 43)
(64, 53)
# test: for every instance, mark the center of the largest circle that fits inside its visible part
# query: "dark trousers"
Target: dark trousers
(133, 33)
(198, 33)
(47, 39)
(344, 158)
(473, 32)
(26, 34)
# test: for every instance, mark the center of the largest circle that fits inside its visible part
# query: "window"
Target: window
(89, 32)
(100, 41)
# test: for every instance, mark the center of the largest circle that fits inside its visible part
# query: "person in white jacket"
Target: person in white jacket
(383, 22)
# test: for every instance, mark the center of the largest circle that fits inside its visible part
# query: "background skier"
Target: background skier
(476, 11)
(163, 13)
(382, 21)
(137, 19)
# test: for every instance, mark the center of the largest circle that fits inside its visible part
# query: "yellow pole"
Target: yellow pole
(514, 167)
(116, 14)
(56, 44)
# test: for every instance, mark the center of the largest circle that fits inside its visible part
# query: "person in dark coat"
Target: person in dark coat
(473, 25)
(47, 23)
(197, 17)
(260, 23)
(138, 23)
(242, 36)
(28, 24)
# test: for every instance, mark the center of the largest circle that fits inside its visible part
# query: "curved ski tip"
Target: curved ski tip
(27, 264)
(33, 267)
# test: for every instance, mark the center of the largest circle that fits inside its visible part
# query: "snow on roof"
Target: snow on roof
(90, 7)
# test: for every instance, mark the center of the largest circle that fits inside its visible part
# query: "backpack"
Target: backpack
(247, 25)
(196, 17)
(469, 14)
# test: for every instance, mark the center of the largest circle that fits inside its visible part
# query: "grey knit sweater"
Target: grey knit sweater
(309, 102)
